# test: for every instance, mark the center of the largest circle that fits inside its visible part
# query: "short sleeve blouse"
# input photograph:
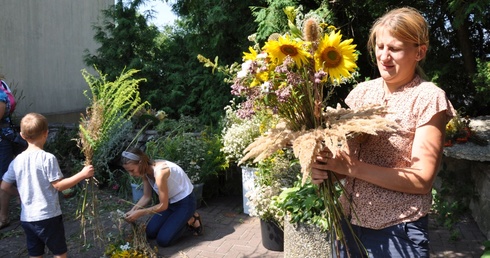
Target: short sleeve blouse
(411, 106)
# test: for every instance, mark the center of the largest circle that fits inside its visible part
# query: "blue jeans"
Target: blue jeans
(410, 239)
(6, 156)
(169, 225)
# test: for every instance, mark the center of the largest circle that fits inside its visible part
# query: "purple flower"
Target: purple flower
(283, 94)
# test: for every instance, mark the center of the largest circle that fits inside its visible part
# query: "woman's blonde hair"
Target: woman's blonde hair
(144, 162)
(33, 125)
(405, 24)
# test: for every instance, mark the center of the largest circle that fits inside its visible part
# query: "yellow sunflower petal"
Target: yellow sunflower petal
(250, 56)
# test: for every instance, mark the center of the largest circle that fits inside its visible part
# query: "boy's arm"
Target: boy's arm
(9, 188)
(65, 183)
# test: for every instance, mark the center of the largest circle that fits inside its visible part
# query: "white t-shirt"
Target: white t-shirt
(33, 171)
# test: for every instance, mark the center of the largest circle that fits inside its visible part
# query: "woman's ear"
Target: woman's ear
(422, 51)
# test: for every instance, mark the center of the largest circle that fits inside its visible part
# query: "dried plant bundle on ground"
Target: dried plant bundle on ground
(129, 242)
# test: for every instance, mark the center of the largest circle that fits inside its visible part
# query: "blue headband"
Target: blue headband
(130, 155)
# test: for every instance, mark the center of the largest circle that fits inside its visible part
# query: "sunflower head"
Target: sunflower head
(337, 58)
(284, 46)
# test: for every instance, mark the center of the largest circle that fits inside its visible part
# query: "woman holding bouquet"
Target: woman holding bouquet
(389, 176)
(176, 210)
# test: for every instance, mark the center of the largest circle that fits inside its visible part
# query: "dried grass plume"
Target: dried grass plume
(340, 124)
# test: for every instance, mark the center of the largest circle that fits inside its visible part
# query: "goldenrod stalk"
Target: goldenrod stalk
(112, 105)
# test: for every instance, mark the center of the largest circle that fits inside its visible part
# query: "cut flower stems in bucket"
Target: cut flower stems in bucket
(293, 76)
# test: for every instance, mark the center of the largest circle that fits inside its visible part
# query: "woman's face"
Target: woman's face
(396, 60)
(133, 169)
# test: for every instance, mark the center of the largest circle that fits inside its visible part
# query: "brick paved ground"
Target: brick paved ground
(230, 233)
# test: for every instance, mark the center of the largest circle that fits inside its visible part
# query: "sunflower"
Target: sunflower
(284, 46)
(336, 58)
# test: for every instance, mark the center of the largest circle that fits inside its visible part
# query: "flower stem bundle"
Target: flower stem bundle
(112, 104)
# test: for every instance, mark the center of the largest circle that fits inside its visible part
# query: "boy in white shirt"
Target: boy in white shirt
(39, 179)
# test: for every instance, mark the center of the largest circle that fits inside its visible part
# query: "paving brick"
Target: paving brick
(229, 234)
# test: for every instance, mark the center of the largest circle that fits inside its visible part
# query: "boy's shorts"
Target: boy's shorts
(49, 232)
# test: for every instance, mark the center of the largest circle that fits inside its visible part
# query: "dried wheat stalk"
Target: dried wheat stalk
(340, 124)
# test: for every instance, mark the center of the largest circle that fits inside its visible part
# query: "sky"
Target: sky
(163, 14)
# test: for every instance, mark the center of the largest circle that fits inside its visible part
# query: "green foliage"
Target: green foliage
(452, 201)
(108, 120)
(176, 82)
(63, 145)
(190, 90)
(463, 9)
(107, 152)
(303, 204)
(279, 171)
(272, 18)
(127, 42)
(446, 211)
(482, 82)
(197, 153)
(486, 253)
(173, 127)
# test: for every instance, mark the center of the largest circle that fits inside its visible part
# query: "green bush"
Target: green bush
(198, 153)
(62, 144)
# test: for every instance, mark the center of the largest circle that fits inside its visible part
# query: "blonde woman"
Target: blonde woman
(389, 176)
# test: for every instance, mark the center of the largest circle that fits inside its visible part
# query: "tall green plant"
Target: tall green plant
(112, 105)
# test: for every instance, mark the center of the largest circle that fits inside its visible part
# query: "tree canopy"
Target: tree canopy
(179, 84)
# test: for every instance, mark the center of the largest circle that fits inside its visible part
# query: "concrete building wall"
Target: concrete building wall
(41, 53)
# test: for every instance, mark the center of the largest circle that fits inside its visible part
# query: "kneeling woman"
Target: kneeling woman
(176, 210)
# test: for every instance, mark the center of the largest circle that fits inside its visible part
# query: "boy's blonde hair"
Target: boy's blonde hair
(33, 125)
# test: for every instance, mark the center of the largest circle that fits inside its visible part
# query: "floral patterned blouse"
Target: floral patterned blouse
(411, 106)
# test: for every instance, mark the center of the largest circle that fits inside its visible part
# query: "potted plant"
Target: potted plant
(306, 221)
(273, 174)
(239, 131)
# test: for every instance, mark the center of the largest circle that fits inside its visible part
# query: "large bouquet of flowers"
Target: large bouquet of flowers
(293, 75)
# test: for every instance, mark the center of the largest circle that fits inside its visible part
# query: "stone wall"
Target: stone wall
(470, 164)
